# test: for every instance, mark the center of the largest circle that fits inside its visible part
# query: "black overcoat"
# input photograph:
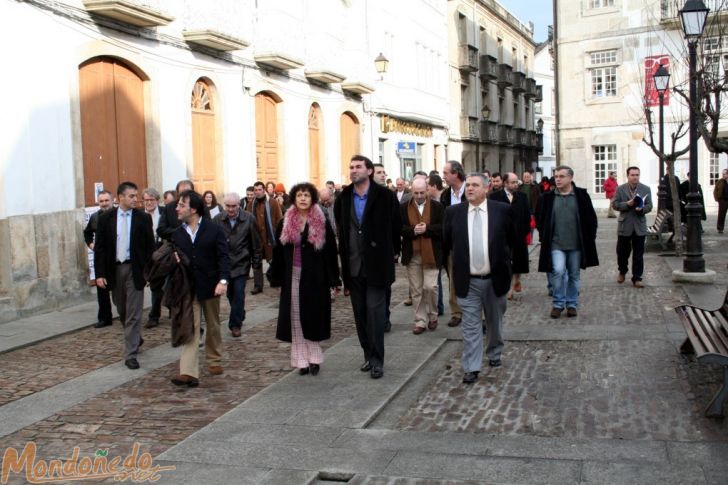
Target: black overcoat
(433, 232)
(319, 273)
(522, 224)
(586, 218)
(381, 227)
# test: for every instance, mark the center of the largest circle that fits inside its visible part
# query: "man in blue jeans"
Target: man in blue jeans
(567, 225)
(241, 232)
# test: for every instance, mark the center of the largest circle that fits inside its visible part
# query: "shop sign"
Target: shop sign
(406, 147)
(389, 124)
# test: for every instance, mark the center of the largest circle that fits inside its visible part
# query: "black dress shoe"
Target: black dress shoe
(314, 369)
(152, 322)
(365, 367)
(303, 371)
(376, 372)
(470, 377)
(256, 291)
(100, 324)
(131, 363)
(495, 363)
(387, 326)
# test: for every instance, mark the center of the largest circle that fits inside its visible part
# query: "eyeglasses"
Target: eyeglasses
(150, 200)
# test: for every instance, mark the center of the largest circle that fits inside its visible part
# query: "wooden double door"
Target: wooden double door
(112, 126)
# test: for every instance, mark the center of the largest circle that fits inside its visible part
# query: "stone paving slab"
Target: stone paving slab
(490, 469)
(197, 473)
(643, 474)
(507, 446)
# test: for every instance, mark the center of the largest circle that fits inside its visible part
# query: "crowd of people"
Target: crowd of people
(476, 229)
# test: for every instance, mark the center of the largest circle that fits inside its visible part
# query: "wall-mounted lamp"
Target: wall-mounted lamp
(539, 126)
(381, 63)
(485, 112)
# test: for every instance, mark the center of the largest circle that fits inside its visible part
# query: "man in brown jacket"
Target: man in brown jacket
(267, 213)
(720, 194)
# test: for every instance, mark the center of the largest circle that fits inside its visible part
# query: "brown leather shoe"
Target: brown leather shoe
(454, 322)
(215, 370)
(408, 302)
(418, 330)
(518, 287)
(620, 278)
(638, 284)
(185, 380)
(432, 324)
(235, 332)
(571, 312)
(556, 312)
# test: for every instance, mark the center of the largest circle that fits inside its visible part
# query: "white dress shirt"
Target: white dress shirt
(456, 195)
(126, 252)
(485, 270)
(193, 235)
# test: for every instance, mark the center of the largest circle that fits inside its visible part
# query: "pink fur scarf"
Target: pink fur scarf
(292, 227)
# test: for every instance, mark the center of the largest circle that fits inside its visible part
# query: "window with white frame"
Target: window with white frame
(714, 168)
(715, 57)
(603, 73)
(605, 161)
(601, 3)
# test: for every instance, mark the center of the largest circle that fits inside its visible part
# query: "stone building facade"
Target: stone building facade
(492, 88)
(223, 92)
(544, 111)
(607, 51)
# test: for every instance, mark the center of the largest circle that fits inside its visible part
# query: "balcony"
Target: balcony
(278, 60)
(519, 82)
(127, 11)
(532, 139)
(521, 138)
(324, 76)
(467, 58)
(505, 135)
(214, 40)
(488, 68)
(539, 93)
(505, 76)
(469, 128)
(357, 87)
(530, 88)
(488, 132)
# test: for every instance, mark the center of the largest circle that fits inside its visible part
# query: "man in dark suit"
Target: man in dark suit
(103, 297)
(521, 221)
(150, 197)
(206, 247)
(124, 245)
(454, 174)
(479, 235)
(367, 216)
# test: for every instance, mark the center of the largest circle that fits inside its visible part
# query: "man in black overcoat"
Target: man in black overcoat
(368, 219)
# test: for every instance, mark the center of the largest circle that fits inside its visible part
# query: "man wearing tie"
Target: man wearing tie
(124, 244)
(481, 270)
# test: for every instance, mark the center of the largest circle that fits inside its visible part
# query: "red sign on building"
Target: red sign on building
(652, 63)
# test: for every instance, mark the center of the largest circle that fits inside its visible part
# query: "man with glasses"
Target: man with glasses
(150, 197)
(103, 297)
(567, 225)
(241, 232)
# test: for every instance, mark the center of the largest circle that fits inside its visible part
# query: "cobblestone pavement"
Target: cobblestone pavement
(149, 410)
(624, 389)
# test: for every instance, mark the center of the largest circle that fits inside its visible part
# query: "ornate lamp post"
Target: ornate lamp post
(693, 16)
(662, 81)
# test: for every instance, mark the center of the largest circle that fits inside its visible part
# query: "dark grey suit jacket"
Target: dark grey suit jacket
(630, 220)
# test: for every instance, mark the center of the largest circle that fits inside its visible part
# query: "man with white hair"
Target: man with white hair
(244, 248)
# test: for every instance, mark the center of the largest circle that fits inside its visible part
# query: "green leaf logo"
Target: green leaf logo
(102, 452)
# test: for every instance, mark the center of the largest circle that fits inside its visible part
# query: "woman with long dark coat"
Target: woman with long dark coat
(305, 266)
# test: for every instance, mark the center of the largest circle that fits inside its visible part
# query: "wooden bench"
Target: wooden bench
(660, 227)
(708, 339)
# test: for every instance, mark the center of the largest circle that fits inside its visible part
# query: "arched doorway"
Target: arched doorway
(315, 142)
(204, 153)
(112, 126)
(266, 137)
(349, 142)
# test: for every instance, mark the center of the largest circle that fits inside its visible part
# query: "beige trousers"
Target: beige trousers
(454, 307)
(189, 361)
(423, 283)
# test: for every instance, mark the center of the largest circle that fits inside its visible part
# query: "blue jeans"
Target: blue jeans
(565, 277)
(236, 297)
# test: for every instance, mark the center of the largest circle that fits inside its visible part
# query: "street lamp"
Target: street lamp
(693, 16)
(485, 112)
(539, 126)
(381, 63)
(662, 81)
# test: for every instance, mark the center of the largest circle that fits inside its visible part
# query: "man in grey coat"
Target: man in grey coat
(244, 247)
(633, 200)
